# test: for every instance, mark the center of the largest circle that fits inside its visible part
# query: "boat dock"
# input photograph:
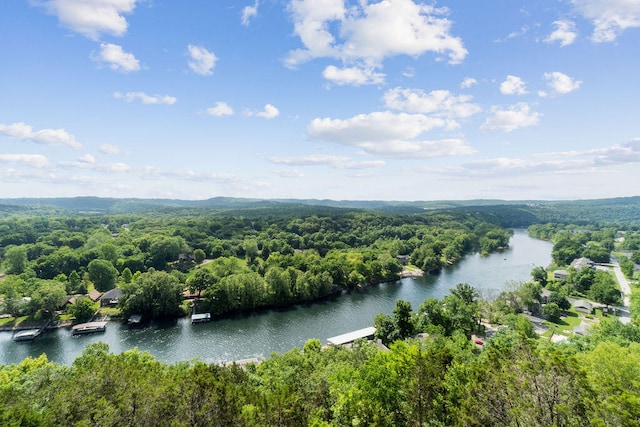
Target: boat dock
(89, 328)
(350, 337)
(200, 318)
(26, 335)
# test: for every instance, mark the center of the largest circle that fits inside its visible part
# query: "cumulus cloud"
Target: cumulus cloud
(109, 149)
(560, 83)
(514, 117)
(441, 103)
(388, 134)
(32, 160)
(609, 17)
(366, 33)
(92, 18)
(117, 58)
(269, 112)
(352, 76)
(24, 132)
(202, 61)
(468, 82)
(249, 12)
(220, 109)
(565, 33)
(513, 85)
(144, 98)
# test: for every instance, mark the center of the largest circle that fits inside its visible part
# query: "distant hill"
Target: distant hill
(508, 213)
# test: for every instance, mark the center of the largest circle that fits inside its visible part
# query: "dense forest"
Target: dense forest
(232, 262)
(438, 365)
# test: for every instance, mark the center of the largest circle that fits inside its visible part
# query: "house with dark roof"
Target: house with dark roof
(110, 298)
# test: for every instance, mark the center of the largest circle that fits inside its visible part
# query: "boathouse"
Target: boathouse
(350, 337)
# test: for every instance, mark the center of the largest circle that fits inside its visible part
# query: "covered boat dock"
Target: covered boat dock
(350, 337)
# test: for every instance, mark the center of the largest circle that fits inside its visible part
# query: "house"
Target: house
(94, 295)
(544, 296)
(110, 298)
(560, 274)
(403, 259)
(580, 263)
(583, 306)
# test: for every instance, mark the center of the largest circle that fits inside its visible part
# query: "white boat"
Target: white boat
(26, 335)
(89, 328)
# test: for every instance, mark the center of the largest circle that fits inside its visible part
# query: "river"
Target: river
(260, 334)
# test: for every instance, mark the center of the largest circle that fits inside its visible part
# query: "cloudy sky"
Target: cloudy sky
(337, 99)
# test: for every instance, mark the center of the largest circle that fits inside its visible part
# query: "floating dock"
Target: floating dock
(200, 318)
(350, 337)
(26, 335)
(89, 328)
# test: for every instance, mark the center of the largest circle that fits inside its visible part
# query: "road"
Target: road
(625, 316)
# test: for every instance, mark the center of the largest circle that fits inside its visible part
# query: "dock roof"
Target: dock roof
(352, 336)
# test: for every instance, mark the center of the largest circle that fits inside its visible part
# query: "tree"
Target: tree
(15, 259)
(49, 297)
(199, 255)
(551, 311)
(156, 294)
(82, 309)
(103, 274)
(539, 274)
(605, 292)
(402, 318)
(201, 280)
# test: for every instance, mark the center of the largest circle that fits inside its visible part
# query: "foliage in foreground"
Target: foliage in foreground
(437, 381)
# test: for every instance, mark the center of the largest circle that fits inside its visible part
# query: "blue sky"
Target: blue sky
(361, 100)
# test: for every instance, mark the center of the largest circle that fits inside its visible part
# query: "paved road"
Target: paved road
(625, 317)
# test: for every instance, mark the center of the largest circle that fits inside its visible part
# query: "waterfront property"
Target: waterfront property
(89, 328)
(350, 337)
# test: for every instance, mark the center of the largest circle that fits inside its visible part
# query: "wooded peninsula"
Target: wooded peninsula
(459, 361)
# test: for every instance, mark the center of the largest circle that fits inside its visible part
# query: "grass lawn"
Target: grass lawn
(564, 325)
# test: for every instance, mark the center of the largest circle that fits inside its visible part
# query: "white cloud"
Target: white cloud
(92, 18)
(220, 109)
(514, 117)
(560, 162)
(31, 160)
(117, 58)
(23, 131)
(366, 33)
(565, 33)
(144, 98)
(561, 83)
(514, 34)
(513, 85)
(609, 17)
(336, 162)
(468, 82)
(202, 61)
(109, 149)
(249, 12)
(87, 158)
(390, 134)
(352, 76)
(269, 112)
(440, 102)
(290, 173)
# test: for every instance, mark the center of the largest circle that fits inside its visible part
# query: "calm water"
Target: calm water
(260, 334)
